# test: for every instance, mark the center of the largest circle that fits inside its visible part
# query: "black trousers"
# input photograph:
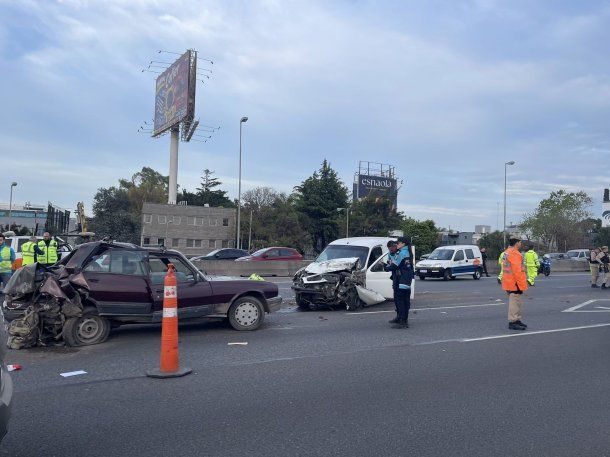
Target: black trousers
(485, 267)
(402, 298)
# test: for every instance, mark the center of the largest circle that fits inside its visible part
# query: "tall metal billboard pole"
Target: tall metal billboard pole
(173, 166)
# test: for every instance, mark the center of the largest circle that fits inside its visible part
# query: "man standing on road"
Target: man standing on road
(604, 260)
(594, 266)
(48, 247)
(7, 257)
(484, 261)
(514, 282)
(393, 261)
(404, 269)
(532, 264)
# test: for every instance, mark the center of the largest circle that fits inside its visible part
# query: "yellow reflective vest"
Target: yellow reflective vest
(28, 253)
(6, 265)
(49, 253)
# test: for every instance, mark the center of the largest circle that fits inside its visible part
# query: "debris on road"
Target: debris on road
(72, 373)
(14, 367)
(244, 343)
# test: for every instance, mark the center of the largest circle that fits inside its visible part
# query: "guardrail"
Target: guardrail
(557, 266)
(245, 269)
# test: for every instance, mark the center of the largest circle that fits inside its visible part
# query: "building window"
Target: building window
(147, 218)
(212, 244)
(190, 220)
(225, 243)
(225, 222)
(190, 243)
(162, 219)
(213, 222)
(175, 242)
(197, 243)
(161, 241)
(199, 221)
(176, 220)
(146, 241)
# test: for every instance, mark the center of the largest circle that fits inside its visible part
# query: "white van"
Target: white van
(317, 283)
(448, 262)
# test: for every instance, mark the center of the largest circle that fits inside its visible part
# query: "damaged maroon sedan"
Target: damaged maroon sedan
(101, 285)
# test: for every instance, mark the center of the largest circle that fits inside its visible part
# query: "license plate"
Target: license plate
(423, 271)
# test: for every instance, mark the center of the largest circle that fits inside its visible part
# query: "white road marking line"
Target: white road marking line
(526, 333)
(72, 373)
(426, 309)
(603, 307)
(245, 343)
(588, 302)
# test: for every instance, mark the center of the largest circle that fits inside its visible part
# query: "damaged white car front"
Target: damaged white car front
(336, 282)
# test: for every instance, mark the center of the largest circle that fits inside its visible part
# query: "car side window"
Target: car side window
(286, 253)
(469, 254)
(376, 252)
(158, 269)
(378, 265)
(273, 253)
(117, 261)
(459, 255)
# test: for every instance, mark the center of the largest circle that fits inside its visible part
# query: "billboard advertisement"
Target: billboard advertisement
(606, 214)
(173, 99)
(379, 185)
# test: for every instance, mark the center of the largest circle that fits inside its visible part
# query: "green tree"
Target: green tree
(424, 233)
(494, 244)
(374, 216)
(145, 186)
(207, 194)
(558, 220)
(317, 200)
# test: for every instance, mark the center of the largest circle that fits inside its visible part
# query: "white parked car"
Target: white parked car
(582, 255)
(448, 262)
(350, 272)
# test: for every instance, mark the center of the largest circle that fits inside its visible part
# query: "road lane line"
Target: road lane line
(427, 309)
(539, 332)
(588, 302)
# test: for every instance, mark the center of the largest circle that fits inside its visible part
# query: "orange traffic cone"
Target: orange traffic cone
(170, 365)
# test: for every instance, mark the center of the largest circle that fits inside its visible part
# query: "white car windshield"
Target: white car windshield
(337, 251)
(573, 253)
(441, 254)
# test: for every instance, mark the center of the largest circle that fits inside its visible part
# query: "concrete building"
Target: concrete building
(34, 216)
(192, 230)
(451, 238)
(482, 229)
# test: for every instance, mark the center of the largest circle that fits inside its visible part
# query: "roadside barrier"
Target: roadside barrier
(170, 362)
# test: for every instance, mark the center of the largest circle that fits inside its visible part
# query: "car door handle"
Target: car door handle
(93, 280)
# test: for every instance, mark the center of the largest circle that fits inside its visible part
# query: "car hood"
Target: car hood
(331, 266)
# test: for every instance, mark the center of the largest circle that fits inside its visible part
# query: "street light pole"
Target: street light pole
(512, 162)
(250, 234)
(10, 206)
(242, 120)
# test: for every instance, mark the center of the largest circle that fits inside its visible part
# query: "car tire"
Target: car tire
(422, 277)
(447, 275)
(301, 304)
(477, 274)
(246, 314)
(86, 330)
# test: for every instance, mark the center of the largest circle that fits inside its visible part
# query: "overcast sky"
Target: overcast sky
(447, 91)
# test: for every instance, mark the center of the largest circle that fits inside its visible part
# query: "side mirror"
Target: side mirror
(217, 256)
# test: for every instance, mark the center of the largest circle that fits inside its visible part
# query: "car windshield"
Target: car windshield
(213, 253)
(573, 254)
(338, 251)
(441, 254)
(260, 252)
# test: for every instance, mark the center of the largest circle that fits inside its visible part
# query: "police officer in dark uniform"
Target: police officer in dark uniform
(402, 267)
(392, 260)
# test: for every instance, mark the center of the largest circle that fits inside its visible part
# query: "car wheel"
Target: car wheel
(85, 330)
(353, 302)
(422, 277)
(477, 274)
(302, 304)
(447, 275)
(246, 313)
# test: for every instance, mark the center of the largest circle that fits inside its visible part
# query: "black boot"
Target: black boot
(604, 286)
(521, 323)
(394, 321)
(594, 285)
(402, 323)
(515, 326)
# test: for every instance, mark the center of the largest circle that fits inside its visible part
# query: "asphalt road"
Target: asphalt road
(326, 383)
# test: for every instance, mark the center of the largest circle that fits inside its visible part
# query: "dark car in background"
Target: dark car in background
(6, 387)
(273, 253)
(121, 283)
(222, 254)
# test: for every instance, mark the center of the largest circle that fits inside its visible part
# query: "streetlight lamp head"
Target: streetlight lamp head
(244, 119)
(512, 162)
(13, 184)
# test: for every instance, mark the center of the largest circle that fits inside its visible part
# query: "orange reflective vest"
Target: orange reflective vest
(513, 275)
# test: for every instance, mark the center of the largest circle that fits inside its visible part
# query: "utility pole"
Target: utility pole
(250, 234)
(512, 162)
(241, 121)
(10, 206)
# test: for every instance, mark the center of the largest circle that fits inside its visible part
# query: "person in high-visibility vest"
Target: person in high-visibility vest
(48, 246)
(29, 251)
(532, 263)
(514, 282)
(7, 257)
(500, 264)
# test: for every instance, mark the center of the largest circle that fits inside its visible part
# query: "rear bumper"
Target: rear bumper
(6, 394)
(274, 304)
(430, 272)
